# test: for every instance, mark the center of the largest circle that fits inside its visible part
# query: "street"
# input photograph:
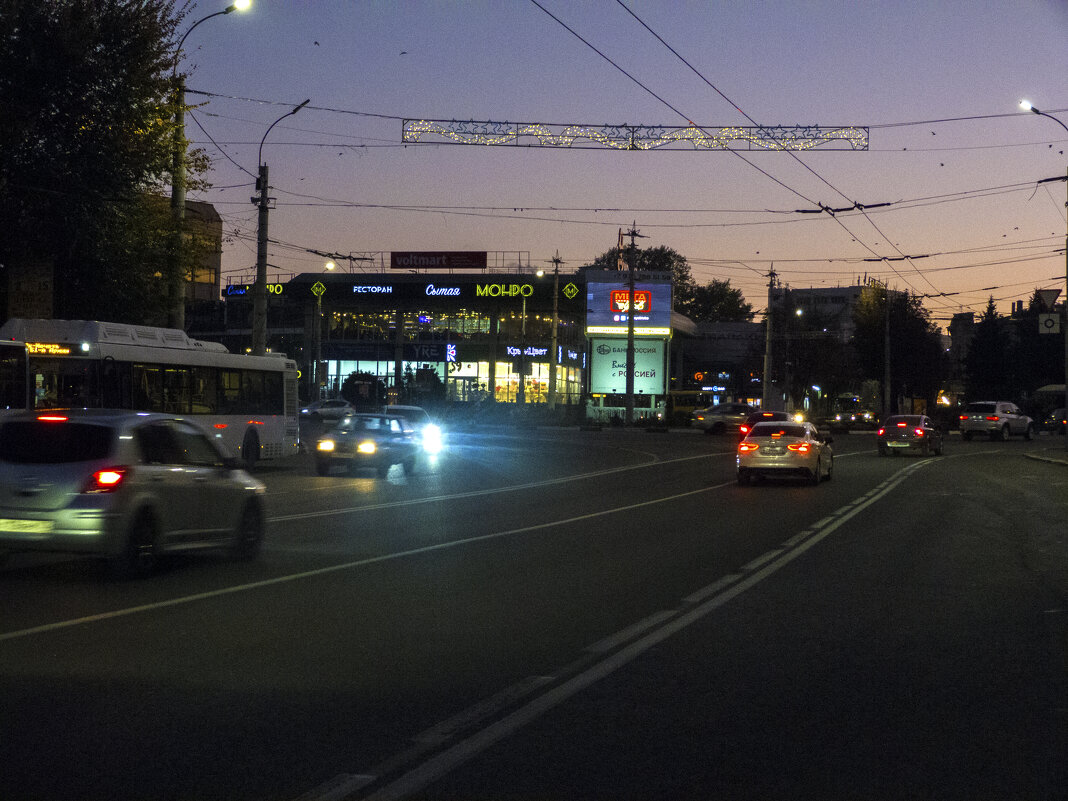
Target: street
(570, 614)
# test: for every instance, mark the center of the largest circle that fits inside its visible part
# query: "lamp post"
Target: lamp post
(259, 288)
(1026, 106)
(176, 289)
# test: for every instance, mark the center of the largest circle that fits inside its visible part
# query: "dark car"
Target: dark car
(768, 417)
(128, 486)
(376, 441)
(909, 432)
(1055, 422)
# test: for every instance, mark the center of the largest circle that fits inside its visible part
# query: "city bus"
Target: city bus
(248, 404)
(14, 376)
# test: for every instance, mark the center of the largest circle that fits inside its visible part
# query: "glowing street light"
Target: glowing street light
(1026, 106)
(176, 313)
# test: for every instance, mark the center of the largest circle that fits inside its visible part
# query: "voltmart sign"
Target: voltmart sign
(608, 366)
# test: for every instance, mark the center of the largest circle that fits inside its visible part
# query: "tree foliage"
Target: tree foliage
(917, 356)
(85, 140)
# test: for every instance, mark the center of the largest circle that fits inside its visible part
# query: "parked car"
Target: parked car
(785, 450)
(430, 432)
(1055, 422)
(128, 486)
(996, 419)
(376, 441)
(721, 418)
(909, 432)
(768, 417)
(333, 409)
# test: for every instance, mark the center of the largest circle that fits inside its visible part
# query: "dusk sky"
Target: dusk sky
(937, 84)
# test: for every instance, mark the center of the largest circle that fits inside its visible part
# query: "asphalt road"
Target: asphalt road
(566, 614)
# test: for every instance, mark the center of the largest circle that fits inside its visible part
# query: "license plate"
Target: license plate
(26, 526)
(898, 444)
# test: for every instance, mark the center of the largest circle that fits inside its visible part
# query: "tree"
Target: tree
(917, 357)
(85, 142)
(716, 302)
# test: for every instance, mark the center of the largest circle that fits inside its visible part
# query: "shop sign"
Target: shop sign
(443, 291)
(530, 350)
(504, 290)
(608, 372)
(237, 290)
(372, 289)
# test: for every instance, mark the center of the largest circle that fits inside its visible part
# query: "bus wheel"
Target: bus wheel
(250, 450)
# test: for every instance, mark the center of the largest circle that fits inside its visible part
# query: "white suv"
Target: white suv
(996, 419)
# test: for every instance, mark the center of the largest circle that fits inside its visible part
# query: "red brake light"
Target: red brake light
(52, 418)
(992, 418)
(107, 480)
(918, 432)
(881, 432)
(902, 424)
(964, 417)
(800, 447)
(747, 447)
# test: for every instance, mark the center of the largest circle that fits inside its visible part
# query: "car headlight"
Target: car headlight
(432, 439)
(367, 446)
(326, 445)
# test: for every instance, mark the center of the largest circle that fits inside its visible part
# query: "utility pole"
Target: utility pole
(556, 262)
(765, 399)
(887, 397)
(633, 256)
(259, 288)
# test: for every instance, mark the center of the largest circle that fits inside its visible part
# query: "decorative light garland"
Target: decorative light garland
(634, 137)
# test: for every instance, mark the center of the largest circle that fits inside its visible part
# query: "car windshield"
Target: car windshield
(37, 442)
(907, 419)
(776, 430)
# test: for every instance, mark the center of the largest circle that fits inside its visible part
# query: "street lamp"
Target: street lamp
(259, 289)
(176, 312)
(1026, 106)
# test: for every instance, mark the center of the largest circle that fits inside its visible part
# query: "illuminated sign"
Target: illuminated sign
(48, 348)
(504, 290)
(530, 350)
(448, 291)
(608, 368)
(620, 302)
(608, 308)
(236, 290)
(374, 289)
(639, 330)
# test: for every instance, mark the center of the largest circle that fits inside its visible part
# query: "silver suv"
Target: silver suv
(996, 419)
(128, 486)
(721, 418)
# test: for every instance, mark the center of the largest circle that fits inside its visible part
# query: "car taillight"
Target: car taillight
(918, 432)
(799, 447)
(964, 417)
(747, 447)
(902, 425)
(107, 480)
(882, 431)
(993, 418)
(743, 430)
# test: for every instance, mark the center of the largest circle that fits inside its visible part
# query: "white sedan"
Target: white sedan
(785, 450)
